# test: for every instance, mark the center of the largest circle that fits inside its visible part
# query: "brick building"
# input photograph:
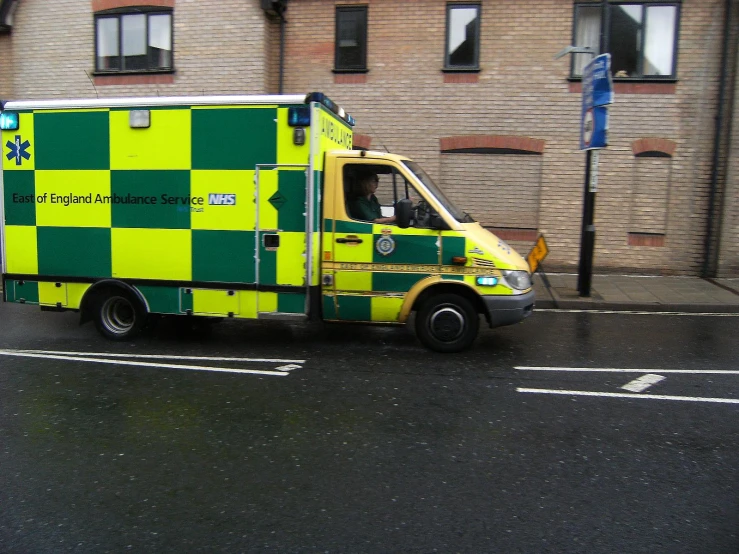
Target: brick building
(469, 89)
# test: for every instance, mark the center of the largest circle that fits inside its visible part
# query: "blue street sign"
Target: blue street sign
(597, 93)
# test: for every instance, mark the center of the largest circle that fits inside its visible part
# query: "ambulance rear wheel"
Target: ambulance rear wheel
(118, 315)
(447, 323)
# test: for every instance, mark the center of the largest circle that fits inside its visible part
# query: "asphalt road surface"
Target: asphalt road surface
(570, 432)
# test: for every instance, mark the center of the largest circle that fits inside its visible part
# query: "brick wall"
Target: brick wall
(405, 104)
(219, 48)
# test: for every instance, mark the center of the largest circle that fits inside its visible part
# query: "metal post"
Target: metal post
(587, 232)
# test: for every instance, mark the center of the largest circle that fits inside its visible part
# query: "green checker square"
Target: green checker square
(27, 291)
(292, 212)
(187, 300)
(290, 303)
(233, 138)
(353, 227)
(329, 308)
(20, 197)
(409, 249)
(170, 190)
(74, 251)
(161, 300)
(450, 247)
(395, 281)
(223, 256)
(72, 140)
(355, 308)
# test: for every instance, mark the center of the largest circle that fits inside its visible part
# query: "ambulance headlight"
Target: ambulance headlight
(9, 121)
(518, 279)
(486, 281)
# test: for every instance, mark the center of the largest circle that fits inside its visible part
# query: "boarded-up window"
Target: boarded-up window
(650, 194)
(498, 190)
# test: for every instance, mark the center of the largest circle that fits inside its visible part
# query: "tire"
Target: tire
(447, 323)
(118, 314)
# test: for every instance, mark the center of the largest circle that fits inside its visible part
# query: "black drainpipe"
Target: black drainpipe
(282, 9)
(709, 261)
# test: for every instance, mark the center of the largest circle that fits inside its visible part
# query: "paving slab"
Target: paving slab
(639, 293)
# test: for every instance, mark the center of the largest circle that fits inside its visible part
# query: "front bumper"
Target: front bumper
(507, 310)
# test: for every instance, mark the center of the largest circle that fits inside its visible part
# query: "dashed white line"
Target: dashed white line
(640, 384)
(630, 370)
(627, 395)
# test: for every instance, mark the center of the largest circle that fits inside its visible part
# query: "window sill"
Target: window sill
(461, 70)
(342, 71)
(103, 78)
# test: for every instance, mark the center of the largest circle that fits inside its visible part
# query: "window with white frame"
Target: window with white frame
(641, 38)
(137, 41)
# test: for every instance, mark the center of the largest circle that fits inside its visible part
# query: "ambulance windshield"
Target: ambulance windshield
(456, 213)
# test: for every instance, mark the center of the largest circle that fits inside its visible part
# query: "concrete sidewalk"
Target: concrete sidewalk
(639, 293)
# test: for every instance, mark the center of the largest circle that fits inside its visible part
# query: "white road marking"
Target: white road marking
(627, 395)
(139, 364)
(634, 370)
(162, 356)
(636, 312)
(640, 384)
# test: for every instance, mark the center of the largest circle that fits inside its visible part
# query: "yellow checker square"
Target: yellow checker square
(353, 281)
(75, 292)
(152, 253)
(247, 304)
(291, 258)
(21, 249)
(49, 294)
(73, 198)
(21, 151)
(165, 144)
(228, 200)
(386, 308)
(267, 302)
(267, 187)
(215, 302)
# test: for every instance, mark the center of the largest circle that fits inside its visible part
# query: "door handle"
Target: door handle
(351, 239)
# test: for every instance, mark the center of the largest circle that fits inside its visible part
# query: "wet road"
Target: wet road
(356, 439)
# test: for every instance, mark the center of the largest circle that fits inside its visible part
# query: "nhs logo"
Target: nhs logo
(215, 199)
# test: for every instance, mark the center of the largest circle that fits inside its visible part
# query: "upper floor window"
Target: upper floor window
(642, 38)
(462, 37)
(351, 38)
(133, 41)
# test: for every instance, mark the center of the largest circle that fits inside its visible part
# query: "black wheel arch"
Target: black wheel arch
(89, 299)
(450, 287)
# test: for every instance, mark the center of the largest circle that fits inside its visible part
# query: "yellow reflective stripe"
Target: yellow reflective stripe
(62, 188)
(166, 144)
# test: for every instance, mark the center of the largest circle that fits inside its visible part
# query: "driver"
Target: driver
(365, 206)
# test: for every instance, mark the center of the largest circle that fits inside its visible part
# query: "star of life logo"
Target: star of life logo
(18, 150)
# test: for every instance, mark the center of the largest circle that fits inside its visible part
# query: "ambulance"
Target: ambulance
(238, 207)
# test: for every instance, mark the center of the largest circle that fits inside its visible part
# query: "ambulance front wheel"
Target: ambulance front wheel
(447, 323)
(118, 315)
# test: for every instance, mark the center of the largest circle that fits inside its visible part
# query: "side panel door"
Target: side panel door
(281, 239)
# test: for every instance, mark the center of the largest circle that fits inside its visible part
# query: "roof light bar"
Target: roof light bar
(330, 105)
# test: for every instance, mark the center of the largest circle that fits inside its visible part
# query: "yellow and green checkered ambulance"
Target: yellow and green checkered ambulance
(240, 207)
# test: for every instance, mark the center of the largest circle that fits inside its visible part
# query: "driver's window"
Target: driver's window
(365, 202)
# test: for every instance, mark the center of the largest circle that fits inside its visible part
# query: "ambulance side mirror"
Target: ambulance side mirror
(403, 212)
